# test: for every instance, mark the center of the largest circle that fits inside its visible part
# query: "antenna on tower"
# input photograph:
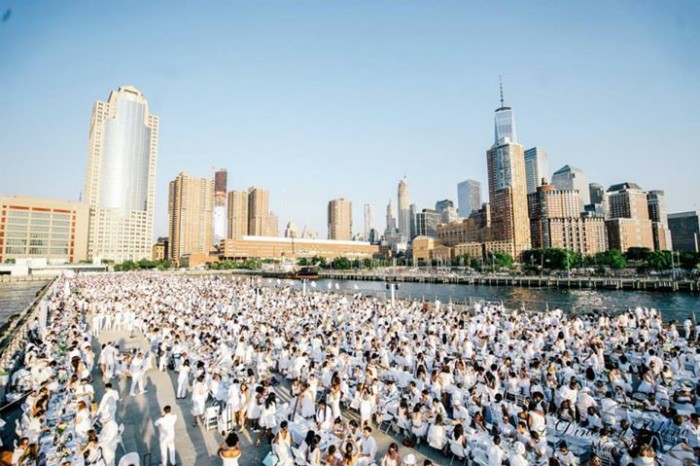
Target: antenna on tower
(500, 81)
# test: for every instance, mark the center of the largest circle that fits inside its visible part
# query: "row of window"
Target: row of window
(36, 251)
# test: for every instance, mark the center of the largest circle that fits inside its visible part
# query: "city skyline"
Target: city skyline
(455, 103)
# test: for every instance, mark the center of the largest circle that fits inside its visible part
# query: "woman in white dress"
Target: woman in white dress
(183, 380)
(240, 415)
(366, 408)
(255, 407)
(267, 417)
(230, 450)
(282, 446)
(334, 400)
(82, 422)
(233, 403)
(308, 408)
(200, 393)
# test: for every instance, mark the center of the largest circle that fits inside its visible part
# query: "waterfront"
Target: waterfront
(674, 306)
(16, 296)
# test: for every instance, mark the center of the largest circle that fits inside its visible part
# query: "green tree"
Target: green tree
(658, 260)
(367, 263)
(613, 259)
(303, 261)
(341, 263)
(688, 260)
(503, 260)
(637, 254)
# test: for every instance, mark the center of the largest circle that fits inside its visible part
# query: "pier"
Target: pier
(574, 282)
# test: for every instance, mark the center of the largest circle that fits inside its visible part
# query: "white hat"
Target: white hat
(409, 459)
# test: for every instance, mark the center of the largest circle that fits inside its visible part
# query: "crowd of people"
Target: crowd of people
(318, 376)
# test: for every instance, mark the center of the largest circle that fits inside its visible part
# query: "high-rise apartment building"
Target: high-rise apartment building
(190, 214)
(413, 210)
(628, 221)
(121, 177)
(404, 210)
(258, 211)
(536, 168)
(555, 222)
(340, 219)
(656, 202)
(447, 211)
(599, 201)
(237, 214)
(369, 221)
(568, 178)
(685, 230)
(32, 227)
(291, 230)
(272, 228)
(220, 206)
(468, 197)
(507, 184)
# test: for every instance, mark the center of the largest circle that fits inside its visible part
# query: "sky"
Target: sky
(316, 100)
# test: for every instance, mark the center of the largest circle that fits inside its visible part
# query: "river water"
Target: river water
(673, 306)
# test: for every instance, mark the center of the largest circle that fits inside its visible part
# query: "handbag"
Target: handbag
(270, 460)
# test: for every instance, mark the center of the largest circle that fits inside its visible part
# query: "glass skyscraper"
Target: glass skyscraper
(120, 182)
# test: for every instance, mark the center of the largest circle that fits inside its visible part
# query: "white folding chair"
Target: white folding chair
(211, 417)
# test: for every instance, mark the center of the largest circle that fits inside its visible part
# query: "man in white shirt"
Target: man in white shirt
(137, 373)
(108, 403)
(495, 453)
(166, 437)
(109, 440)
(368, 447)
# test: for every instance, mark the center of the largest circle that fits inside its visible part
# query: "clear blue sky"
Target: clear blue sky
(325, 99)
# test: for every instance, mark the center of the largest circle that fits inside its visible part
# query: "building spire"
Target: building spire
(500, 81)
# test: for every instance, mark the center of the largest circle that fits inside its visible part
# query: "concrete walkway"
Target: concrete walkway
(194, 445)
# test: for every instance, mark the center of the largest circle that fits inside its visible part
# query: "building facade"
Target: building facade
(219, 223)
(507, 184)
(572, 178)
(656, 202)
(262, 247)
(190, 214)
(426, 223)
(258, 211)
(237, 214)
(685, 230)
(340, 219)
(628, 224)
(536, 168)
(404, 210)
(32, 227)
(121, 177)
(369, 222)
(468, 197)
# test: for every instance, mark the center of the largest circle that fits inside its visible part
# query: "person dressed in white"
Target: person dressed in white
(108, 404)
(282, 446)
(495, 453)
(267, 417)
(166, 436)
(200, 393)
(183, 380)
(137, 370)
(518, 456)
(109, 440)
(324, 417)
(368, 447)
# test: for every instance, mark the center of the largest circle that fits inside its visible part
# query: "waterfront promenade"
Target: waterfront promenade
(195, 445)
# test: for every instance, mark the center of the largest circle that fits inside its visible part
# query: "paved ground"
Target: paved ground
(195, 446)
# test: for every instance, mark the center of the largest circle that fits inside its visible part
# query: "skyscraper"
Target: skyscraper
(404, 210)
(340, 219)
(390, 220)
(536, 168)
(219, 206)
(369, 221)
(468, 197)
(507, 184)
(121, 177)
(628, 224)
(656, 202)
(413, 211)
(685, 230)
(237, 214)
(190, 208)
(258, 211)
(447, 211)
(568, 177)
